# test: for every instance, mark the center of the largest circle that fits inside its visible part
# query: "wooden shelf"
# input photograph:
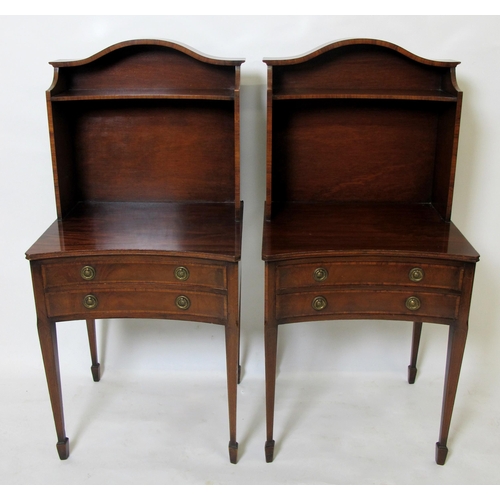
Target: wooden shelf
(202, 230)
(385, 94)
(297, 230)
(167, 93)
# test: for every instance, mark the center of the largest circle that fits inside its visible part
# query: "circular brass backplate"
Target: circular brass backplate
(413, 303)
(90, 301)
(181, 273)
(320, 274)
(416, 274)
(319, 303)
(183, 302)
(87, 273)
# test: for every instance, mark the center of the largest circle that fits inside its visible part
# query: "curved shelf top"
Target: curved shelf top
(165, 229)
(357, 41)
(149, 42)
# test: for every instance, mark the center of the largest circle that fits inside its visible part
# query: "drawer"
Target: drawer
(137, 303)
(319, 274)
(109, 271)
(367, 302)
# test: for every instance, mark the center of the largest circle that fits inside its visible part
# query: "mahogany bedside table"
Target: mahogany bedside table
(362, 141)
(145, 148)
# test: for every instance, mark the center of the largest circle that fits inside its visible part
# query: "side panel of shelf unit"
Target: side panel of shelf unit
(446, 158)
(61, 144)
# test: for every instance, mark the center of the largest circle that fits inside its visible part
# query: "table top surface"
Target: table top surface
(303, 230)
(198, 230)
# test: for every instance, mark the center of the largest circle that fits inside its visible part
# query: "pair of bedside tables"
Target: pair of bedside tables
(362, 141)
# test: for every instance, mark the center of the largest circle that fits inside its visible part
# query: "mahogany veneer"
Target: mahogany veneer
(145, 150)
(362, 139)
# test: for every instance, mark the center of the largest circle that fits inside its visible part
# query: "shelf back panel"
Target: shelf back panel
(341, 150)
(152, 151)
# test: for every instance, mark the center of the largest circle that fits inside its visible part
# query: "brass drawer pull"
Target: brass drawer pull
(413, 303)
(319, 303)
(90, 301)
(416, 274)
(181, 273)
(182, 302)
(87, 273)
(320, 274)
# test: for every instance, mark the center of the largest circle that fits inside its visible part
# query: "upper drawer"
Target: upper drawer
(369, 273)
(85, 271)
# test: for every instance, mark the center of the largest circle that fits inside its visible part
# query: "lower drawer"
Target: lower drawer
(366, 302)
(137, 303)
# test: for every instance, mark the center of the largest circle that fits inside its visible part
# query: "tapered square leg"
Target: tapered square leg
(271, 343)
(233, 358)
(412, 368)
(456, 347)
(270, 354)
(48, 343)
(232, 383)
(96, 367)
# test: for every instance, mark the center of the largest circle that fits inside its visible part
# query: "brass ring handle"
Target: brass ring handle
(183, 302)
(87, 273)
(320, 274)
(90, 301)
(181, 273)
(416, 274)
(319, 303)
(413, 303)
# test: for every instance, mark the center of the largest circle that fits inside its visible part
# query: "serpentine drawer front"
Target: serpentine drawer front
(330, 273)
(106, 303)
(96, 271)
(110, 288)
(370, 302)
